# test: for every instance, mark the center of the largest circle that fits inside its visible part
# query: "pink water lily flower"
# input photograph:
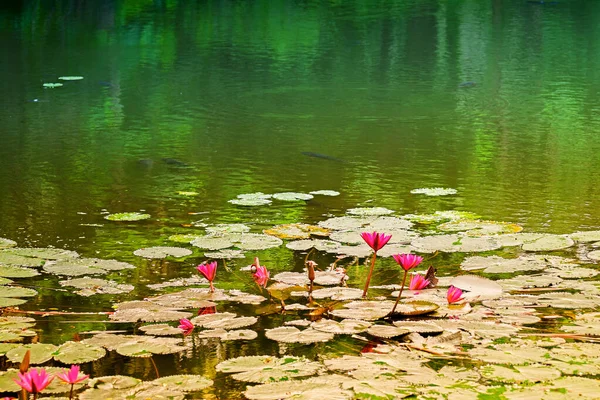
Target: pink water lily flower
(209, 271)
(34, 380)
(454, 295)
(418, 282)
(408, 261)
(261, 273)
(186, 326)
(72, 376)
(375, 240)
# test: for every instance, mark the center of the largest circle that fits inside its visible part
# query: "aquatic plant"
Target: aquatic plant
(376, 241)
(186, 326)
(261, 273)
(72, 376)
(454, 295)
(34, 381)
(407, 262)
(418, 282)
(209, 271)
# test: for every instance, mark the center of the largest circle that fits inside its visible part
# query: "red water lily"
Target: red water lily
(261, 276)
(72, 376)
(418, 282)
(34, 380)
(408, 261)
(375, 240)
(209, 271)
(186, 326)
(454, 295)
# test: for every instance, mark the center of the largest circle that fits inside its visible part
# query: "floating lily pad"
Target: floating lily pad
(91, 286)
(183, 238)
(40, 353)
(415, 307)
(523, 282)
(10, 302)
(509, 354)
(483, 329)
(223, 321)
(292, 196)
(364, 310)
(184, 383)
(113, 382)
(436, 191)
(250, 202)
(52, 85)
(454, 243)
(359, 251)
(370, 211)
(586, 236)
(477, 287)
(299, 390)
(254, 196)
(296, 231)
(499, 265)
(70, 78)
(573, 272)
(386, 331)
(225, 254)
(128, 216)
(71, 268)
(290, 334)
(221, 229)
(328, 193)
(148, 390)
(592, 255)
(158, 314)
(162, 252)
(519, 374)
(346, 326)
(212, 242)
(479, 228)
(337, 293)
(13, 322)
(260, 369)
(419, 326)
(549, 243)
(318, 244)
(160, 330)
(78, 353)
(258, 241)
(16, 291)
(146, 346)
(568, 300)
(179, 282)
(344, 223)
(7, 243)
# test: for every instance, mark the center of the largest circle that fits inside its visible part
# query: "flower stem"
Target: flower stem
(400, 293)
(155, 367)
(71, 393)
(369, 276)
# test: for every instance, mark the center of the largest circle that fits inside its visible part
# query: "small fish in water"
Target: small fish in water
(174, 162)
(322, 156)
(467, 84)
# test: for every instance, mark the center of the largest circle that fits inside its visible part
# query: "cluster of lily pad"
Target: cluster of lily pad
(440, 337)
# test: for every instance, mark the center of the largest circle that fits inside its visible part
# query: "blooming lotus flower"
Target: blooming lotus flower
(454, 295)
(418, 282)
(407, 261)
(72, 376)
(209, 271)
(375, 240)
(261, 273)
(34, 380)
(186, 326)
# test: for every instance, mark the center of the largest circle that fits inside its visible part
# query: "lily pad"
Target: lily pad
(292, 196)
(299, 390)
(291, 334)
(78, 353)
(419, 326)
(10, 302)
(158, 314)
(592, 255)
(259, 369)
(344, 223)
(223, 321)
(71, 268)
(436, 191)
(549, 243)
(91, 286)
(146, 346)
(250, 202)
(221, 229)
(162, 252)
(586, 236)
(519, 374)
(364, 310)
(52, 85)
(212, 242)
(184, 383)
(183, 238)
(328, 193)
(16, 291)
(370, 211)
(346, 326)
(160, 330)
(179, 282)
(318, 244)
(113, 382)
(499, 265)
(296, 231)
(40, 353)
(386, 331)
(258, 241)
(415, 307)
(227, 254)
(128, 216)
(477, 288)
(7, 243)
(454, 243)
(479, 228)
(70, 78)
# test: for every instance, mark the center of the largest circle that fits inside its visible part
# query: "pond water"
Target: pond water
(184, 105)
